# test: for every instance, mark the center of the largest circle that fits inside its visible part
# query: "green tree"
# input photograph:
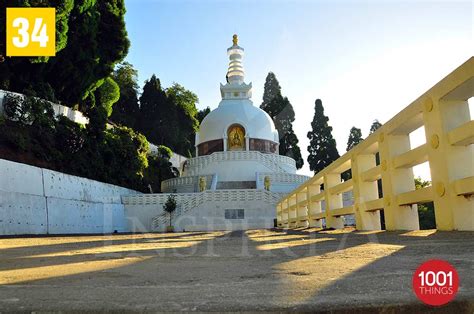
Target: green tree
(322, 146)
(99, 107)
(107, 95)
(168, 116)
(426, 215)
(281, 111)
(159, 169)
(355, 137)
(201, 114)
(184, 102)
(375, 125)
(91, 39)
(154, 112)
(170, 207)
(126, 109)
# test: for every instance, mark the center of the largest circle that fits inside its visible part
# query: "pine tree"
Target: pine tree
(168, 116)
(355, 137)
(201, 114)
(154, 111)
(281, 111)
(375, 125)
(322, 148)
(126, 109)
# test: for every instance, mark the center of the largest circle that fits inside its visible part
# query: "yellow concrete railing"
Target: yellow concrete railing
(443, 111)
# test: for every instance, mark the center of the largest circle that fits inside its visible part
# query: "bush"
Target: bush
(117, 156)
(125, 155)
(16, 109)
(159, 169)
(29, 110)
(170, 207)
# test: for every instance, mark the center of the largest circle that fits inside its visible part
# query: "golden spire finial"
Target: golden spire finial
(235, 39)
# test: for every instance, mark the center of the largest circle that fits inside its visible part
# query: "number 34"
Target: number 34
(39, 34)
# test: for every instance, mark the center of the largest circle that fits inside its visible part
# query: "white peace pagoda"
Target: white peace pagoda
(238, 175)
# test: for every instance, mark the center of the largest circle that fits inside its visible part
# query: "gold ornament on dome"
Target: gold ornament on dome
(236, 138)
(235, 39)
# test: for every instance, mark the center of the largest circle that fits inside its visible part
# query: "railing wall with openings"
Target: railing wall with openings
(443, 111)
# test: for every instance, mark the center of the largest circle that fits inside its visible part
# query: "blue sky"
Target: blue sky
(366, 60)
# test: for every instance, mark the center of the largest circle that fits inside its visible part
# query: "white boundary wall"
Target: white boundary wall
(71, 114)
(203, 211)
(40, 201)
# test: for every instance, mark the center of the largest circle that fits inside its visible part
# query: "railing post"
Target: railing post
(363, 192)
(286, 204)
(301, 211)
(279, 214)
(448, 162)
(313, 207)
(332, 201)
(396, 181)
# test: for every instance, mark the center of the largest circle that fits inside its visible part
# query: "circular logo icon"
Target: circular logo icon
(435, 282)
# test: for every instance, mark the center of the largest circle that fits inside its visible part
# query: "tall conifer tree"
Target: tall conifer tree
(322, 146)
(126, 109)
(281, 111)
(355, 137)
(375, 125)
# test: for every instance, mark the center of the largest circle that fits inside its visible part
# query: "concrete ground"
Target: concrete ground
(258, 270)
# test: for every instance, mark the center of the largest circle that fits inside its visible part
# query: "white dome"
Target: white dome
(256, 122)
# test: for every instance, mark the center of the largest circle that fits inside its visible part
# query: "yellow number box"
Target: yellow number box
(31, 32)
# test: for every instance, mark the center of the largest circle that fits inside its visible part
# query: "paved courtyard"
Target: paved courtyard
(217, 271)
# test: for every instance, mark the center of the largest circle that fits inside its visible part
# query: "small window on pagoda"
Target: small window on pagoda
(236, 94)
(236, 137)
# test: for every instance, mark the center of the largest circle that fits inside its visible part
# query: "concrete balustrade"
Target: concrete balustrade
(443, 111)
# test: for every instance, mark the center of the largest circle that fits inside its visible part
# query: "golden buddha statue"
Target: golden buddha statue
(236, 138)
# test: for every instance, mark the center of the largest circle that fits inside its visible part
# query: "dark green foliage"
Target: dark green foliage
(375, 125)
(159, 169)
(164, 152)
(322, 146)
(426, 213)
(91, 39)
(281, 111)
(167, 117)
(290, 141)
(16, 109)
(32, 134)
(170, 205)
(126, 109)
(107, 95)
(125, 156)
(70, 137)
(184, 103)
(153, 112)
(29, 111)
(355, 137)
(202, 114)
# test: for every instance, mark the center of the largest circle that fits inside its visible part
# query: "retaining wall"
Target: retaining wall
(40, 201)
